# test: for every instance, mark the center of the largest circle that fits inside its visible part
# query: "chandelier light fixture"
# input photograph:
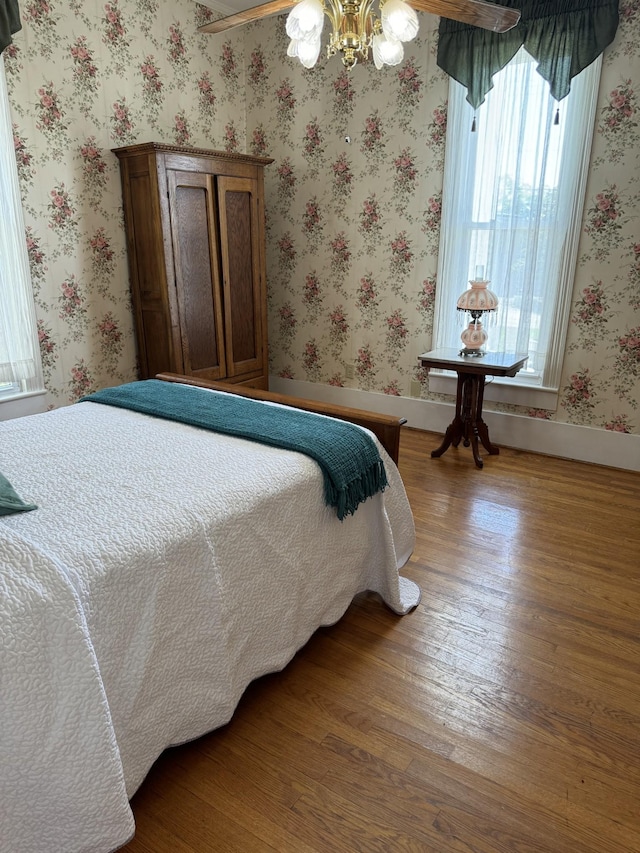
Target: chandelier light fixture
(355, 30)
(358, 30)
(476, 300)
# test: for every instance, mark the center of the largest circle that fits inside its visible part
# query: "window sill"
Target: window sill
(498, 390)
(18, 406)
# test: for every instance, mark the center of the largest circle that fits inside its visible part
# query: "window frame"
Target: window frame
(538, 391)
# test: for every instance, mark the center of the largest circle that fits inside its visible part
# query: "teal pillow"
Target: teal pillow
(10, 501)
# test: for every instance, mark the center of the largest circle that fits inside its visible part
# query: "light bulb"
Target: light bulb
(399, 20)
(305, 20)
(386, 51)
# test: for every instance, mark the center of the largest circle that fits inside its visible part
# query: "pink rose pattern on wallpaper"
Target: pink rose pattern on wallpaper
(618, 122)
(632, 290)
(591, 316)
(259, 143)
(338, 331)
(286, 106)
(342, 182)
(343, 98)
(353, 199)
(85, 75)
(230, 137)
(312, 223)
(312, 296)
(370, 225)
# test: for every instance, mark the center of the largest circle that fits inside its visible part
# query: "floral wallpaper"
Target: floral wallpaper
(353, 212)
(86, 77)
(353, 197)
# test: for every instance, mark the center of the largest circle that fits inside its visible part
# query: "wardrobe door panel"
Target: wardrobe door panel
(155, 344)
(154, 353)
(192, 204)
(241, 274)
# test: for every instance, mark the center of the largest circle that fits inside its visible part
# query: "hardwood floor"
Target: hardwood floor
(501, 716)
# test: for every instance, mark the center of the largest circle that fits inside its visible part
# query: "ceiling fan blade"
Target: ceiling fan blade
(487, 16)
(263, 11)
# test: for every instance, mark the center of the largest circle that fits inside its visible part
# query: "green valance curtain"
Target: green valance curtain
(563, 36)
(9, 21)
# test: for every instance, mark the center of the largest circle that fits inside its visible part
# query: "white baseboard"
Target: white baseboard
(569, 441)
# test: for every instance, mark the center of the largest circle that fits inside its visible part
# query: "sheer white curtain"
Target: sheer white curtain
(512, 202)
(20, 364)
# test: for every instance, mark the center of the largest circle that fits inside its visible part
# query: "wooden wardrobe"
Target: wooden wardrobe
(196, 243)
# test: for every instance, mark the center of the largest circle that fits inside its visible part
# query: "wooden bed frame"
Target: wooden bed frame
(385, 427)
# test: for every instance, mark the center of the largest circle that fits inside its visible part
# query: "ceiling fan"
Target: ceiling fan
(357, 29)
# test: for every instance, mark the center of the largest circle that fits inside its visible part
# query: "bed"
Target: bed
(166, 567)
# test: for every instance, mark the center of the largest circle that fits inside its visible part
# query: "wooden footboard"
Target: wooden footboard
(385, 427)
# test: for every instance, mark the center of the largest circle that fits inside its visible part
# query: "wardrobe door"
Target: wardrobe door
(242, 280)
(192, 206)
(157, 349)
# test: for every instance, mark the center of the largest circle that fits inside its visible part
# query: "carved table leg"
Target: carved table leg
(451, 436)
(483, 430)
(455, 430)
(471, 382)
(467, 425)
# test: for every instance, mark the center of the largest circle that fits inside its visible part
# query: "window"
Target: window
(20, 367)
(512, 202)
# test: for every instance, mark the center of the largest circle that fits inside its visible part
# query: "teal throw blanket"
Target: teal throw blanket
(351, 465)
(10, 500)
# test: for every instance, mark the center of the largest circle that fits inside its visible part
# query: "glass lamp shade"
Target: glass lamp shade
(478, 299)
(307, 50)
(399, 20)
(305, 21)
(386, 51)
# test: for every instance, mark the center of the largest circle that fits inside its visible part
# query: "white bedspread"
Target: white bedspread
(165, 568)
